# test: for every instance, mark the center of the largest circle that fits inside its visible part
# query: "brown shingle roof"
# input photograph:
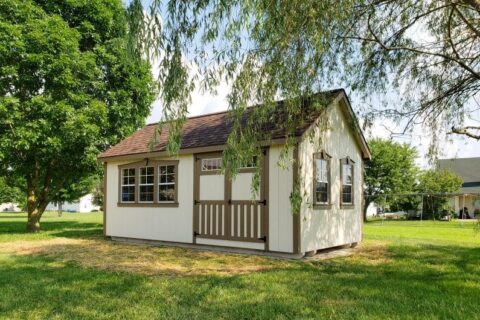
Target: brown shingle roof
(200, 131)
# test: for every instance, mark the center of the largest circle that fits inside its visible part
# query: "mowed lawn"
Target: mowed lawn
(402, 270)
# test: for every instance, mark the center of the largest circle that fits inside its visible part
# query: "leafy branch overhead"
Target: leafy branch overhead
(428, 51)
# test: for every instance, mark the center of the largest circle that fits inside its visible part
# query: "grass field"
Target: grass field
(402, 270)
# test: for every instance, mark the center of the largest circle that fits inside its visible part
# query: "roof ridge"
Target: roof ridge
(195, 117)
(252, 106)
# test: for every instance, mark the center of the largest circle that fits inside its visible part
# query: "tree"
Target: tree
(436, 185)
(67, 91)
(9, 192)
(268, 49)
(391, 171)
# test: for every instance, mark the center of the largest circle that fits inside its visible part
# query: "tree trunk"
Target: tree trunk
(35, 211)
(366, 203)
(33, 224)
(60, 209)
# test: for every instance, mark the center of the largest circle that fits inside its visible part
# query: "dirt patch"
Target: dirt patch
(109, 256)
(373, 253)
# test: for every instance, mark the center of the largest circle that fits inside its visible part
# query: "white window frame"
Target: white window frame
(128, 185)
(347, 162)
(140, 184)
(160, 183)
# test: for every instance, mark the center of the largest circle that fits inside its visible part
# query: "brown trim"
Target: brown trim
(148, 205)
(188, 151)
(350, 205)
(105, 167)
(142, 164)
(196, 196)
(265, 196)
(322, 155)
(296, 215)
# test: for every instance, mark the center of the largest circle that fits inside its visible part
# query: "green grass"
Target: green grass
(403, 270)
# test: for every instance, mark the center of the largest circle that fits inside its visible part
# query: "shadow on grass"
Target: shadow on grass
(424, 281)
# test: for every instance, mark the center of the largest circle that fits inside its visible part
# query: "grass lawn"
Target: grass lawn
(402, 270)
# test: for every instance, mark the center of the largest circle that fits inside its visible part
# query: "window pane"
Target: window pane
(128, 193)
(321, 170)
(347, 170)
(347, 194)
(146, 175)
(211, 164)
(170, 178)
(146, 193)
(321, 192)
(166, 192)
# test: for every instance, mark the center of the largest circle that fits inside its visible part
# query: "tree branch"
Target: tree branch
(467, 131)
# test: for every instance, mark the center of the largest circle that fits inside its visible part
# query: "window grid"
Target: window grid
(128, 185)
(347, 183)
(145, 187)
(166, 183)
(321, 181)
(211, 164)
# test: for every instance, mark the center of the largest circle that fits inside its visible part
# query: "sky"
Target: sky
(454, 146)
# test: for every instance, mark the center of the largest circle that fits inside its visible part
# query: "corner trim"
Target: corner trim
(296, 215)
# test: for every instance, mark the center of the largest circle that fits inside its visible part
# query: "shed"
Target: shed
(187, 200)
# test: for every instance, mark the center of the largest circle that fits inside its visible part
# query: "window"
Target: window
(321, 184)
(146, 184)
(347, 181)
(211, 164)
(128, 185)
(166, 183)
(250, 164)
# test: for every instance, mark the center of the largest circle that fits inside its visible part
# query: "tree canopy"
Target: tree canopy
(429, 51)
(68, 90)
(438, 182)
(391, 171)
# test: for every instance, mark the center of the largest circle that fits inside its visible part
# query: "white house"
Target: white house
(186, 199)
(84, 204)
(469, 194)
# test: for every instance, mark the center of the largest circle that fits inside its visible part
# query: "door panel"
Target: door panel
(242, 187)
(212, 187)
(224, 209)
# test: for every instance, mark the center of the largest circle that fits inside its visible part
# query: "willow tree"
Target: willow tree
(67, 92)
(428, 51)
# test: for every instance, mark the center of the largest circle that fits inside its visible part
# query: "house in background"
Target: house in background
(469, 195)
(187, 199)
(9, 207)
(83, 205)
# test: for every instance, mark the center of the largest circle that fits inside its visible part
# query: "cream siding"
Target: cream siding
(212, 187)
(242, 187)
(152, 223)
(336, 226)
(280, 212)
